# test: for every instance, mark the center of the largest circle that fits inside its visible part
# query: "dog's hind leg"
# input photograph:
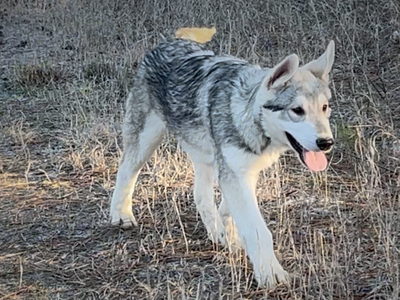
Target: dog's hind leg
(142, 133)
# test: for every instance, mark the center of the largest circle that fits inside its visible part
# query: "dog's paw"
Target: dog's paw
(270, 273)
(124, 220)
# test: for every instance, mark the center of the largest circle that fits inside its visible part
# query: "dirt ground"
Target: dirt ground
(66, 67)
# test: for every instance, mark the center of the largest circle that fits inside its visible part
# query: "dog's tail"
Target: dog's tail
(200, 35)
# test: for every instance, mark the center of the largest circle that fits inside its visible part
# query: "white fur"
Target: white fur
(241, 203)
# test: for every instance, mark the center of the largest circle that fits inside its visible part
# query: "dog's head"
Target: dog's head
(294, 107)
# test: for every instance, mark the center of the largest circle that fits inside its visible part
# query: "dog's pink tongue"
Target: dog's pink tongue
(316, 161)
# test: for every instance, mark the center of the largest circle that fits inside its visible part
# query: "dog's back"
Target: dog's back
(173, 73)
(186, 82)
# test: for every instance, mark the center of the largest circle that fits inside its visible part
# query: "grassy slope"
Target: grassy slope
(66, 68)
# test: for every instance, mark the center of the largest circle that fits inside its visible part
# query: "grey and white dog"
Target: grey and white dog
(233, 119)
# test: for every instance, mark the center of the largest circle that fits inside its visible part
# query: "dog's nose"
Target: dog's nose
(325, 144)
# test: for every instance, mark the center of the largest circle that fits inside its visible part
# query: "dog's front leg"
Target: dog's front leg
(239, 193)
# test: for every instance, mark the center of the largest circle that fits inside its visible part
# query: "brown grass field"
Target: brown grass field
(66, 67)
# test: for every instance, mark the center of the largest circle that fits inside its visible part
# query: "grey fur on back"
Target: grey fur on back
(193, 91)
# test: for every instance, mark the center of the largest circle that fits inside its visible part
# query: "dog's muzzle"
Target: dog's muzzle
(314, 160)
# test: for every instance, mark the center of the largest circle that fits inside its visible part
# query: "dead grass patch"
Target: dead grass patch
(37, 76)
(336, 232)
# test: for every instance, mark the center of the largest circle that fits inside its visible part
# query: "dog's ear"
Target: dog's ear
(282, 73)
(323, 65)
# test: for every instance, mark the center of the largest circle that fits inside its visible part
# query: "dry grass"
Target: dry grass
(66, 67)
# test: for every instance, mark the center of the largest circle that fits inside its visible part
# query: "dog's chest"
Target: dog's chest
(269, 157)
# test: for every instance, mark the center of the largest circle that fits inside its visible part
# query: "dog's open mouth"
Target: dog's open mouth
(315, 161)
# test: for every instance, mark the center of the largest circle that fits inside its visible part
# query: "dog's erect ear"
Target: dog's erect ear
(282, 72)
(323, 65)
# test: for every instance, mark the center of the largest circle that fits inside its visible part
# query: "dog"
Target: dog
(233, 119)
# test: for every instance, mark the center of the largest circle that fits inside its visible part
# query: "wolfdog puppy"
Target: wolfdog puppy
(233, 119)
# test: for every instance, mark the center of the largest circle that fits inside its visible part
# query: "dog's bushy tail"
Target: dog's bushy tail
(200, 35)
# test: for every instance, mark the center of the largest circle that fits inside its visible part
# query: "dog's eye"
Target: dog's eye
(298, 111)
(325, 107)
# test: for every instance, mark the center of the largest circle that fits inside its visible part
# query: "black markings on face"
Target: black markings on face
(273, 107)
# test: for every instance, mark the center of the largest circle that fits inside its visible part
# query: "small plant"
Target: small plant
(99, 71)
(36, 75)
(346, 134)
